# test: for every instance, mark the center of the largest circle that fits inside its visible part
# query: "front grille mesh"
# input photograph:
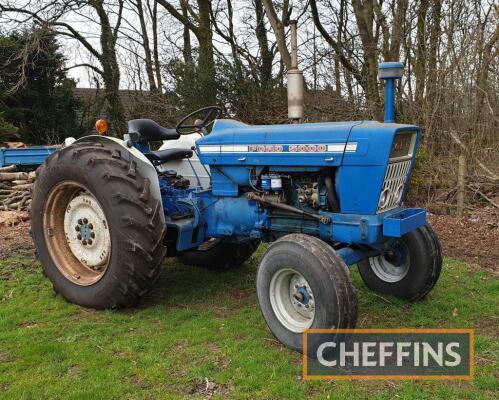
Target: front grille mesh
(395, 177)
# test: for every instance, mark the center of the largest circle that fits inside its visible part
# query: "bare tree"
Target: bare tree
(52, 13)
(199, 22)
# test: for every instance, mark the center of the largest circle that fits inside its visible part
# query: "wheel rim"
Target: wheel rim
(76, 233)
(392, 266)
(292, 300)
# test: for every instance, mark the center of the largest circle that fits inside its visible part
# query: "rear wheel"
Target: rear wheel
(301, 284)
(220, 254)
(97, 229)
(409, 270)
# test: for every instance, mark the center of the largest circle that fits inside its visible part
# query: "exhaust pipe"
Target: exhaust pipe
(390, 72)
(295, 79)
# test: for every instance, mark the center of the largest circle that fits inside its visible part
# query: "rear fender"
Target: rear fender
(144, 166)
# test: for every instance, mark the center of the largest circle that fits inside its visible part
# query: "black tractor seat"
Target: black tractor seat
(162, 156)
(146, 130)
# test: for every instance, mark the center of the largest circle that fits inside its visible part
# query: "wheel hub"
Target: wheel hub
(393, 265)
(86, 231)
(292, 300)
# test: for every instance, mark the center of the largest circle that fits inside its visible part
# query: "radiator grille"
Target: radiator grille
(393, 186)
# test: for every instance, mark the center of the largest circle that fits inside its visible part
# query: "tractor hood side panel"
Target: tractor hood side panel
(302, 145)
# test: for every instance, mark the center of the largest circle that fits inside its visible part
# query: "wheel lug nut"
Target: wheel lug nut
(78, 237)
(89, 241)
(90, 226)
(84, 243)
(77, 228)
(92, 235)
(80, 222)
(85, 221)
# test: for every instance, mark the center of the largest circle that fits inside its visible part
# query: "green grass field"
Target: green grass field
(200, 334)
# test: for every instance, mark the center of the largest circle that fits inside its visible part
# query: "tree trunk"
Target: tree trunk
(147, 49)
(488, 55)
(397, 35)
(364, 15)
(279, 33)
(110, 72)
(206, 63)
(420, 63)
(187, 48)
(341, 18)
(263, 43)
(233, 42)
(157, 65)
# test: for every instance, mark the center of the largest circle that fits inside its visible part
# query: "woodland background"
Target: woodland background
(160, 59)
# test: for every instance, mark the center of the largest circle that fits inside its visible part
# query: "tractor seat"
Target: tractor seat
(162, 156)
(146, 130)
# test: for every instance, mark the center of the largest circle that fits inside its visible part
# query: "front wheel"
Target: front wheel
(301, 284)
(409, 270)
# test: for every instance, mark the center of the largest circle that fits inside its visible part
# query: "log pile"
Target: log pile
(15, 188)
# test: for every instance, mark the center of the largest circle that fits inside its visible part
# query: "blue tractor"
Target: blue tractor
(106, 212)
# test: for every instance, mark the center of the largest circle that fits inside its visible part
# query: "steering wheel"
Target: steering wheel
(198, 120)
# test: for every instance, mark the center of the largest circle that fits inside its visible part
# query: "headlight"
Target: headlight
(398, 193)
(384, 198)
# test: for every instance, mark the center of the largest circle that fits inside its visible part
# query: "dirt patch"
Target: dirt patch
(139, 382)
(12, 218)
(14, 234)
(487, 325)
(208, 389)
(473, 238)
(221, 360)
(6, 357)
(241, 294)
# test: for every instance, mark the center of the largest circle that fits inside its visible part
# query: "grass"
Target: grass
(200, 334)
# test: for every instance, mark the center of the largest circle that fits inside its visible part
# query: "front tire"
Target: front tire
(97, 229)
(302, 284)
(412, 276)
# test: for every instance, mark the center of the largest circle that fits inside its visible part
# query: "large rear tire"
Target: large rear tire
(411, 276)
(220, 254)
(303, 284)
(97, 229)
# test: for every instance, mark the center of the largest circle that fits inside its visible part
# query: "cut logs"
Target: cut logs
(15, 188)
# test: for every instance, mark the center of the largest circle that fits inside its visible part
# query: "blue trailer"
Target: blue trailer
(32, 156)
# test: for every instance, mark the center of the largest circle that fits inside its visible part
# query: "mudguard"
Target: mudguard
(144, 166)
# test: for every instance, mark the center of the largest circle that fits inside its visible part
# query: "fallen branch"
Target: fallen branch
(477, 191)
(21, 181)
(8, 168)
(25, 186)
(21, 203)
(490, 174)
(13, 176)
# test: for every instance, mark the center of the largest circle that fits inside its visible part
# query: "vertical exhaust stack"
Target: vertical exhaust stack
(390, 72)
(295, 80)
